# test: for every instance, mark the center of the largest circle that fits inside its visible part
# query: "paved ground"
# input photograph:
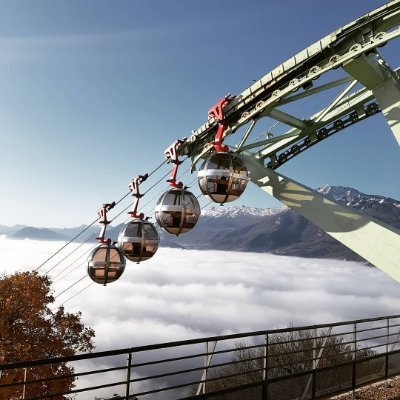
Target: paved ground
(389, 390)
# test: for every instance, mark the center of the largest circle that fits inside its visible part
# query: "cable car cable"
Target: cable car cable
(65, 245)
(71, 286)
(91, 224)
(76, 294)
(69, 254)
(85, 255)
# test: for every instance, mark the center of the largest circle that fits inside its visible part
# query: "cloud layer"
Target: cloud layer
(181, 294)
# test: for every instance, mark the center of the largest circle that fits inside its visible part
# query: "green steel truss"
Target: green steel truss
(367, 85)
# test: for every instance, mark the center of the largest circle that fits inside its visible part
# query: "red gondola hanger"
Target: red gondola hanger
(217, 112)
(103, 221)
(134, 187)
(171, 153)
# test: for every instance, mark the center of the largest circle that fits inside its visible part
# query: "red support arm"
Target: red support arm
(217, 113)
(172, 156)
(134, 187)
(103, 221)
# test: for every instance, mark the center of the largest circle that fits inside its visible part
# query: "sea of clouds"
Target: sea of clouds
(183, 294)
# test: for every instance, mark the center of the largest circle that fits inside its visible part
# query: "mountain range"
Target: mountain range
(238, 228)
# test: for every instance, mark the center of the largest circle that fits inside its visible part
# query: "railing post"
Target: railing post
(24, 388)
(354, 371)
(387, 334)
(387, 348)
(314, 352)
(205, 370)
(265, 370)
(314, 383)
(128, 376)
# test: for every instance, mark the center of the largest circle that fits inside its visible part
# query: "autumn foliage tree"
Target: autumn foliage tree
(30, 330)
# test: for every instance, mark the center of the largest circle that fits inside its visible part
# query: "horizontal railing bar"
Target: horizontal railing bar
(311, 338)
(86, 389)
(150, 377)
(224, 391)
(386, 335)
(198, 369)
(147, 363)
(194, 383)
(376, 328)
(56, 378)
(169, 388)
(211, 353)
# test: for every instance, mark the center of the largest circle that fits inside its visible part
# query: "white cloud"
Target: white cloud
(181, 294)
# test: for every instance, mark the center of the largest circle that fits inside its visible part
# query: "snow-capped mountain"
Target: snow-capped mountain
(240, 211)
(282, 231)
(240, 228)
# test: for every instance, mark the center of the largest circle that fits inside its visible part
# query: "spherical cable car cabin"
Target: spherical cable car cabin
(177, 210)
(106, 262)
(223, 177)
(139, 239)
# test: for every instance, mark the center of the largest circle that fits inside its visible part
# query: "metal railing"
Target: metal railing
(308, 362)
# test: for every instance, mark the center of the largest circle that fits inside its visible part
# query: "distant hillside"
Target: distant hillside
(72, 232)
(9, 230)
(30, 232)
(238, 228)
(283, 231)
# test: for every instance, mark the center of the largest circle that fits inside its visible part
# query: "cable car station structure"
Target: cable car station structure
(369, 86)
(355, 49)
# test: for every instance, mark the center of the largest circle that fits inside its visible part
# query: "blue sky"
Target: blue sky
(92, 92)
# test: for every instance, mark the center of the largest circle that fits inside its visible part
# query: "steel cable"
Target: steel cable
(91, 224)
(69, 254)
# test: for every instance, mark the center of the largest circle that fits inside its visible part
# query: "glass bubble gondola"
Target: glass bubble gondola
(177, 211)
(106, 262)
(223, 177)
(138, 239)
